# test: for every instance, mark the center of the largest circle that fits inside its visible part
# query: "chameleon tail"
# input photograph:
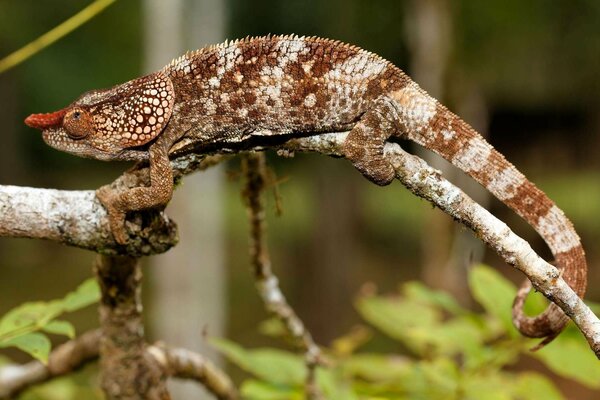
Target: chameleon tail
(427, 122)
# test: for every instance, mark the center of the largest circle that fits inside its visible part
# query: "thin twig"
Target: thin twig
(186, 364)
(53, 35)
(254, 167)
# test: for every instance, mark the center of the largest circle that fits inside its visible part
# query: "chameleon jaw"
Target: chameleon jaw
(45, 121)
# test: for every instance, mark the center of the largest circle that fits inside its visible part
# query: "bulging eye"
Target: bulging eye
(77, 124)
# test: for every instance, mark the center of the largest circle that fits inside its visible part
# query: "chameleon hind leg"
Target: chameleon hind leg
(365, 142)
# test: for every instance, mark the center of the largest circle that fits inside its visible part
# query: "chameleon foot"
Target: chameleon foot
(116, 217)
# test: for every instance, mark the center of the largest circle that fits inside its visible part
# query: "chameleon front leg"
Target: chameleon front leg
(158, 194)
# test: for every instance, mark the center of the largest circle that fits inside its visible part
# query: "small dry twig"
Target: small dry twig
(254, 167)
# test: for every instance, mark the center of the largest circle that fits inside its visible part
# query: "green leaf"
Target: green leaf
(272, 327)
(58, 327)
(378, 367)
(257, 390)
(86, 294)
(334, 386)
(28, 317)
(271, 365)
(571, 357)
(487, 387)
(351, 341)
(35, 344)
(494, 292)
(419, 292)
(401, 319)
(533, 386)
(535, 303)
(433, 379)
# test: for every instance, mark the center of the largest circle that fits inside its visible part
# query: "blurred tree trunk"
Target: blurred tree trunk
(188, 283)
(447, 249)
(327, 274)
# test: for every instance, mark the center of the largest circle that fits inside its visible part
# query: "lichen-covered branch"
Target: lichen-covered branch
(77, 218)
(254, 168)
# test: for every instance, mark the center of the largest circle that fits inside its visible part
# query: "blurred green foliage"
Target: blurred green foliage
(25, 326)
(454, 353)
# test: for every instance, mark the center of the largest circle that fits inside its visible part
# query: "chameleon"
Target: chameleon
(294, 86)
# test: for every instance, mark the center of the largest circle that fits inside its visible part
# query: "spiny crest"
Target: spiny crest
(190, 55)
(139, 113)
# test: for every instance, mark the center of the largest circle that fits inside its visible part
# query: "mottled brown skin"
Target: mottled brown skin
(278, 85)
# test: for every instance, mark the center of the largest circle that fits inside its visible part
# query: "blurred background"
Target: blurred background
(525, 74)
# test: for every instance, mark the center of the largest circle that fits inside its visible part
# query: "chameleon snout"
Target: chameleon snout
(45, 121)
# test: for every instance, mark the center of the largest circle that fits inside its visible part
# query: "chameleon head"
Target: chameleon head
(103, 124)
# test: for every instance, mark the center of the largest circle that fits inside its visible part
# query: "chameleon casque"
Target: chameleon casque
(289, 85)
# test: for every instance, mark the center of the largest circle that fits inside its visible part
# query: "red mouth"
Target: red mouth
(44, 121)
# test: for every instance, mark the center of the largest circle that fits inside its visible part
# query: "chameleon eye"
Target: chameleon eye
(77, 124)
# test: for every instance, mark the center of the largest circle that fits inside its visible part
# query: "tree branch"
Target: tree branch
(413, 172)
(76, 217)
(428, 183)
(186, 364)
(65, 359)
(126, 370)
(74, 354)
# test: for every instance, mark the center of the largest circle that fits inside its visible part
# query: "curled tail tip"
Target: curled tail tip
(546, 326)
(544, 342)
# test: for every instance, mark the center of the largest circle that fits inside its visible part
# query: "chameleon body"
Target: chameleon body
(276, 85)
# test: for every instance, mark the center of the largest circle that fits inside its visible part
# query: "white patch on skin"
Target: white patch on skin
(267, 73)
(273, 91)
(182, 63)
(361, 67)
(416, 108)
(295, 47)
(232, 55)
(307, 66)
(289, 50)
(504, 185)
(310, 100)
(473, 156)
(448, 134)
(559, 233)
(214, 82)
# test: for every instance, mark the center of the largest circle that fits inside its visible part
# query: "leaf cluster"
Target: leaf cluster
(453, 353)
(25, 327)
